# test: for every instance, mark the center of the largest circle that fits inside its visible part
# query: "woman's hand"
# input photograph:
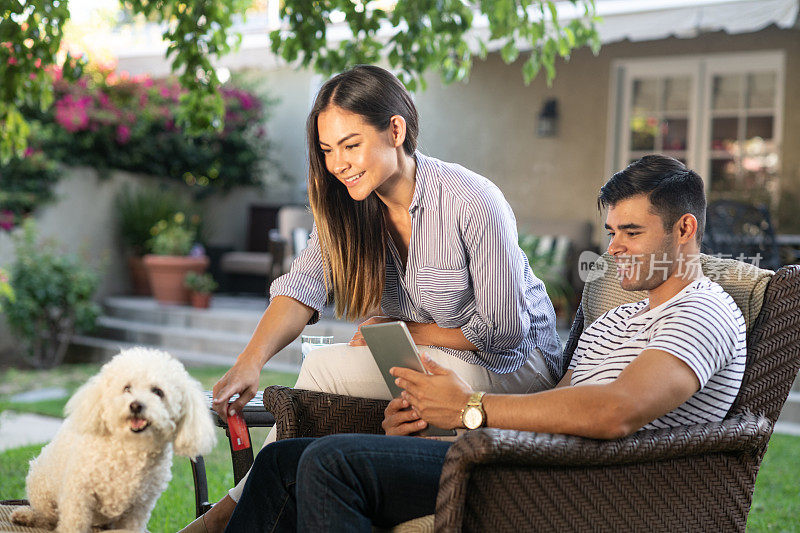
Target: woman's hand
(401, 419)
(438, 398)
(241, 379)
(358, 338)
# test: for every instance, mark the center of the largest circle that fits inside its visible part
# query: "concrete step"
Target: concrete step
(787, 428)
(229, 314)
(196, 336)
(85, 348)
(791, 409)
(235, 315)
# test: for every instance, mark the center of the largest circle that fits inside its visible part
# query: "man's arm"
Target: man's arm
(652, 385)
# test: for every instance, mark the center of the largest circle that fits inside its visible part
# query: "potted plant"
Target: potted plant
(173, 254)
(138, 211)
(200, 288)
(551, 270)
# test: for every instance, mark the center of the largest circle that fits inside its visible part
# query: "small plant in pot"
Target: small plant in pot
(138, 210)
(174, 254)
(200, 288)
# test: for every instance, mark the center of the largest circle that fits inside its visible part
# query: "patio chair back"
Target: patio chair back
(770, 371)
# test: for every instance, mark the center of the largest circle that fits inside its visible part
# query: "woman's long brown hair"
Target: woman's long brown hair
(352, 234)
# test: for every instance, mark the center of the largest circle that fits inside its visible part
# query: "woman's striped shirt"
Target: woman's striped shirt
(464, 269)
(701, 326)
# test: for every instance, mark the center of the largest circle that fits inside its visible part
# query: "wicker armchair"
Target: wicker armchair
(698, 478)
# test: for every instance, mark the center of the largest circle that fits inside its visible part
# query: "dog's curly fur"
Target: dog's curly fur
(111, 459)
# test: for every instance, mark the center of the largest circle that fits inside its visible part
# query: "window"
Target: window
(720, 114)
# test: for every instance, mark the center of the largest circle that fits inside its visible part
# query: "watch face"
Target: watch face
(473, 418)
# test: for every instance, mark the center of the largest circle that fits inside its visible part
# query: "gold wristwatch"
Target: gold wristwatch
(473, 416)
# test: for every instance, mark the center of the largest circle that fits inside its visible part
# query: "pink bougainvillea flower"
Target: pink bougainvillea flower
(12, 60)
(123, 134)
(71, 114)
(6, 220)
(28, 152)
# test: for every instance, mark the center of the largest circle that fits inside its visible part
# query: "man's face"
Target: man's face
(645, 253)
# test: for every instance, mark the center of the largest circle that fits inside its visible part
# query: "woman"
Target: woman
(427, 242)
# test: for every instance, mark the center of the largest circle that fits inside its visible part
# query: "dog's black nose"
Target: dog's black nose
(136, 407)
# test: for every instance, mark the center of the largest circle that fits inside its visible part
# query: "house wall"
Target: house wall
(489, 124)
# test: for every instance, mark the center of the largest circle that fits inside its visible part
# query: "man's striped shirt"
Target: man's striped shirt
(701, 326)
(464, 269)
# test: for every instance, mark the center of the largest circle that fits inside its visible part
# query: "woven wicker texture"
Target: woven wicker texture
(302, 413)
(744, 282)
(699, 478)
(773, 348)
(530, 467)
(7, 525)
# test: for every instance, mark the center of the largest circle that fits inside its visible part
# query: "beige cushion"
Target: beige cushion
(744, 282)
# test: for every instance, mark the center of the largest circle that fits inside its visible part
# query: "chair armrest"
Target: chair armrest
(303, 413)
(743, 433)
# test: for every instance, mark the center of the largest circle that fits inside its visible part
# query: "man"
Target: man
(676, 358)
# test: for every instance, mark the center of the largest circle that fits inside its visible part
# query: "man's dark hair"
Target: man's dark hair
(673, 189)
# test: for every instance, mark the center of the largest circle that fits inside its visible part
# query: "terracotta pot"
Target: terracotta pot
(167, 273)
(139, 281)
(200, 300)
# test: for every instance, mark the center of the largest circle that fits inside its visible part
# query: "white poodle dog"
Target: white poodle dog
(111, 459)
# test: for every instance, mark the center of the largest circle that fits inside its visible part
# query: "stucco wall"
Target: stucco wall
(489, 124)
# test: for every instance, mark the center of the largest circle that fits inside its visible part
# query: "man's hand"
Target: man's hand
(401, 419)
(241, 379)
(437, 398)
(358, 338)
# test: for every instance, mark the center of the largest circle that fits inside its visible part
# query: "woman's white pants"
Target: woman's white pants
(351, 371)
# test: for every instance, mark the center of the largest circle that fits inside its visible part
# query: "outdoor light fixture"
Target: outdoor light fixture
(548, 119)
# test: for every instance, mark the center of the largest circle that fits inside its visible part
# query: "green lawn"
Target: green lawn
(776, 502)
(175, 507)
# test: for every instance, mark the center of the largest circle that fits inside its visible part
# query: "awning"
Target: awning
(648, 20)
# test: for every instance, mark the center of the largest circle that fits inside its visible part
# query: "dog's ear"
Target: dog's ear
(195, 432)
(85, 408)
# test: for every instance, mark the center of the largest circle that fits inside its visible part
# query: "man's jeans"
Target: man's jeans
(340, 483)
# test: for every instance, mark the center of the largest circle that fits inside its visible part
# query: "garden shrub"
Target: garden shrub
(25, 183)
(109, 120)
(52, 297)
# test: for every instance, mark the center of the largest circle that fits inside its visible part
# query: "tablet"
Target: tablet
(391, 345)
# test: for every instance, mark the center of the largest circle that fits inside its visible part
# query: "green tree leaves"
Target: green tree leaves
(30, 36)
(414, 36)
(441, 35)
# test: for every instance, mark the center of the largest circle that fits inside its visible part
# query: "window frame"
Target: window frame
(701, 69)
